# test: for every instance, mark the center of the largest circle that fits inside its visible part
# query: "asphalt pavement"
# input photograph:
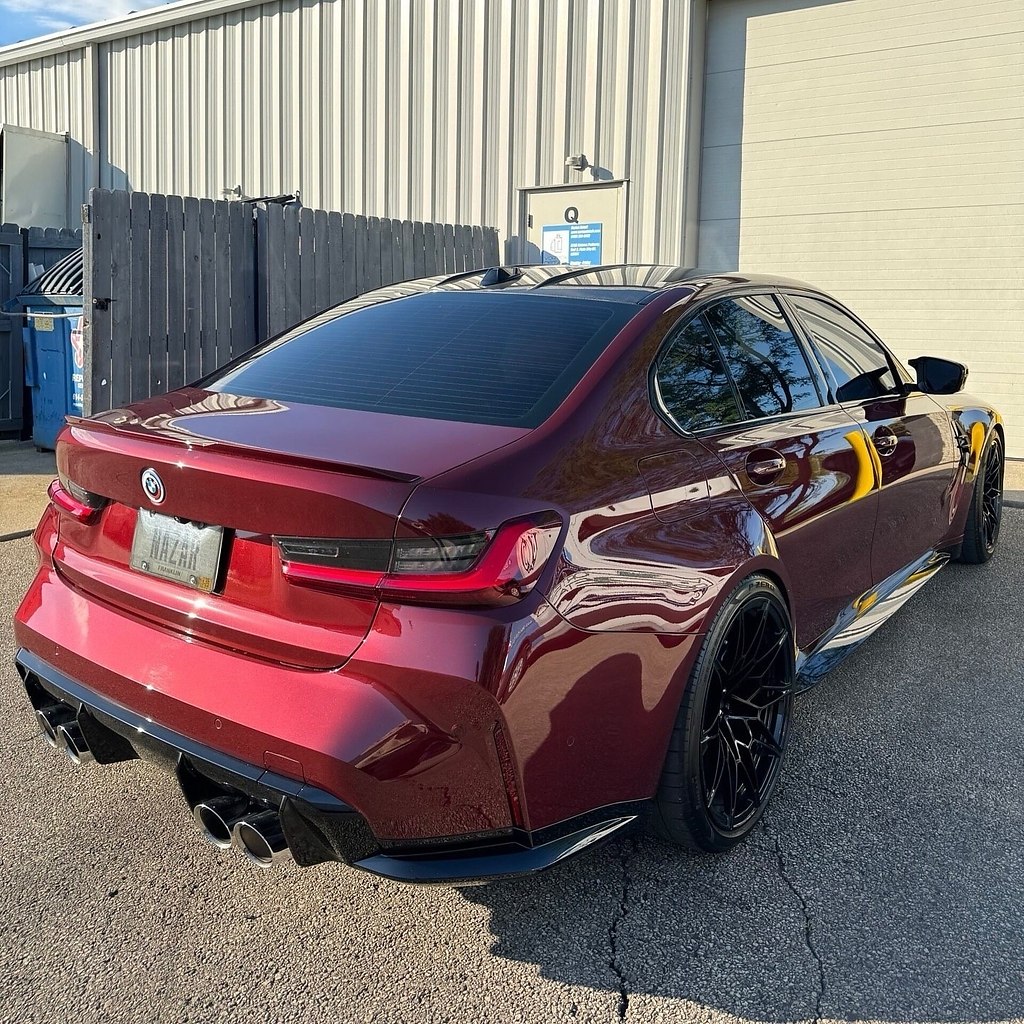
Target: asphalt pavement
(887, 883)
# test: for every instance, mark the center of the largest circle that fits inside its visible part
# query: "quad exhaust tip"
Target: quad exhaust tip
(234, 820)
(74, 743)
(61, 730)
(218, 816)
(50, 719)
(261, 838)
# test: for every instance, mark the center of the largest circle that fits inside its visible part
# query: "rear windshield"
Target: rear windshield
(475, 357)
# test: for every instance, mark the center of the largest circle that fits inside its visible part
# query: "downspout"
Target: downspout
(694, 131)
(96, 142)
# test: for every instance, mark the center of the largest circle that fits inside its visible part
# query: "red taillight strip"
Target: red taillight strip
(70, 505)
(329, 575)
(492, 579)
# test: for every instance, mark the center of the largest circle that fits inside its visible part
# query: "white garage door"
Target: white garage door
(876, 148)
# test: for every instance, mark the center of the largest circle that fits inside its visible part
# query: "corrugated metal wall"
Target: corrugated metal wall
(426, 109)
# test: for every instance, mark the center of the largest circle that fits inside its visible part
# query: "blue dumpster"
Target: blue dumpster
(54, 356)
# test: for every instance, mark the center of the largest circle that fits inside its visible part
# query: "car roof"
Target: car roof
(627, 283)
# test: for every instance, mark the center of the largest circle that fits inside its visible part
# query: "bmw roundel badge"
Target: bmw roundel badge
(153, 486)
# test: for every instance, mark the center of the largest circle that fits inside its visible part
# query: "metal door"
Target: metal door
(577, 225)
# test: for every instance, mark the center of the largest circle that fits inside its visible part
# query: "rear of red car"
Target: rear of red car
(232, 581)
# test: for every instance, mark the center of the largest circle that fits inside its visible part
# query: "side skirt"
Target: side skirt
(870, 611)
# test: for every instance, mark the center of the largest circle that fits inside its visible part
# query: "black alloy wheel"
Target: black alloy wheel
(981, 532)
(727, 749)
(746, 715)
(992, 495)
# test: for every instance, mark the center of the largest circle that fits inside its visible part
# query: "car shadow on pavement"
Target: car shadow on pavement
(887, 880)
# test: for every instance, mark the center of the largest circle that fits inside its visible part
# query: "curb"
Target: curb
(15, 536)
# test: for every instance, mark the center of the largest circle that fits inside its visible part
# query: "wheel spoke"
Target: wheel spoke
(750, 650)
(761, 662)
(718, 771)
(745, 768)
(732, 780)
(749, 772)
(762, 735)
(782, 694)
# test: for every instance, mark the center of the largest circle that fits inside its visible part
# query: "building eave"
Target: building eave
(118, 28)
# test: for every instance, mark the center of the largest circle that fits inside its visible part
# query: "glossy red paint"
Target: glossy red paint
(69, 504)
(394, 705)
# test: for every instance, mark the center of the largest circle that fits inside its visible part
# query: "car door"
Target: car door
(911, 434)
(804, 467)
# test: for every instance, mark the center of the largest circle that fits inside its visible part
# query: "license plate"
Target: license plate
(187, 553)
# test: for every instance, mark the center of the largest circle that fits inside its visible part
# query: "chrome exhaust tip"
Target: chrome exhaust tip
(74, 743)
(218, 816)
(261, 838)
(50, 719)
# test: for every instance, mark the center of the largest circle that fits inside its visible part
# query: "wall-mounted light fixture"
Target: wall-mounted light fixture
(578, 162)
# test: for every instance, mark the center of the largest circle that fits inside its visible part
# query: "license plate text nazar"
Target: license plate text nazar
(184, 552)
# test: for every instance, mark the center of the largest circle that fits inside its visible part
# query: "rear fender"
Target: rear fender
(637, 573)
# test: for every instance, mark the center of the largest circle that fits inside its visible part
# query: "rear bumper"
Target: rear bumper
(410, 748)
(489, 735)
(318, 826)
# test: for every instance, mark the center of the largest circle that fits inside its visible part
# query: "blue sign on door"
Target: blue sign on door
(577, 245)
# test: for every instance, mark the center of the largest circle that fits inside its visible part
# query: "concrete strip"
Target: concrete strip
(1013, 483)
(24, 476)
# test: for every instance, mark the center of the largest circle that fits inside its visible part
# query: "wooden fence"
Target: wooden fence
(176, 287)
(22, 249)
(169, 285)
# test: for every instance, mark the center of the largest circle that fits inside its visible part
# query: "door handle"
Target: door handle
(765, 465)
(885, 441)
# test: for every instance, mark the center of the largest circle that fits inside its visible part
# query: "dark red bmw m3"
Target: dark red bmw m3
(465, 575)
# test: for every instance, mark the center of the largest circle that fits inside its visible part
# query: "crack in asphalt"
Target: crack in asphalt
(628, 851)
(808, 934)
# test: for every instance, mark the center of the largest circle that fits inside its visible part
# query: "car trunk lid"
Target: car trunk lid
(258, 469)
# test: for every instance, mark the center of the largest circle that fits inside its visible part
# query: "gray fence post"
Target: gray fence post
(88, 305)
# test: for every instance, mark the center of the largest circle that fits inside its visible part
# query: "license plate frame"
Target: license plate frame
(177, 550)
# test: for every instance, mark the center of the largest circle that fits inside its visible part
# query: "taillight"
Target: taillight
(492, 567)
(73, 500)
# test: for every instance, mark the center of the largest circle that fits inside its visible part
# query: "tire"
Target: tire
(709, 799)
(981, 533)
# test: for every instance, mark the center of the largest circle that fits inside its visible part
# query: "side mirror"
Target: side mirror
(939, 376)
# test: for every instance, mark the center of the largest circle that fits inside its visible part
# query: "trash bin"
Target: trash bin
(54, 359)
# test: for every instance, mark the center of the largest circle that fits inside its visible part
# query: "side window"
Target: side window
(857, 363)
(767, 363)
(692, 381)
